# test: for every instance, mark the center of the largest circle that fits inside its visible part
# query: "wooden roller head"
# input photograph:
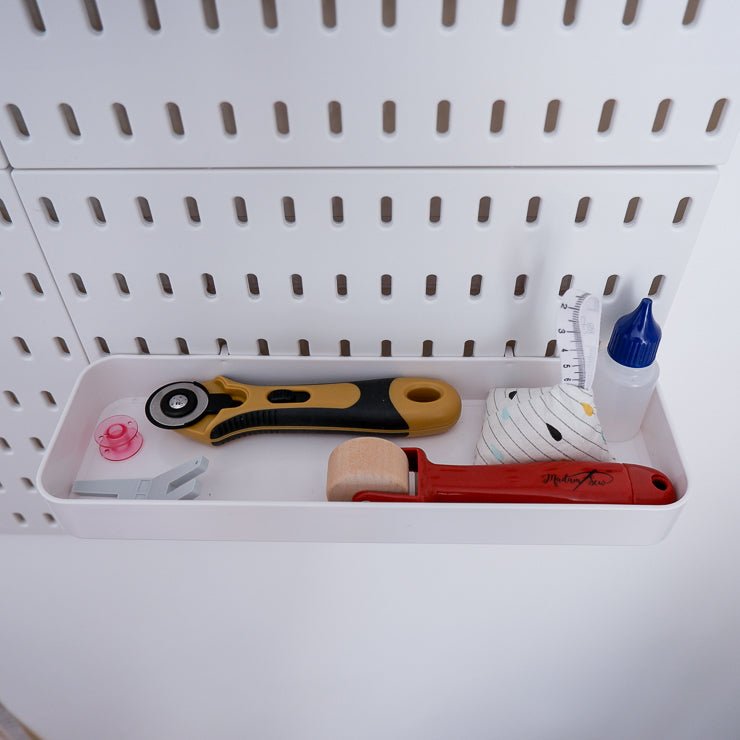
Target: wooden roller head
(366, 464)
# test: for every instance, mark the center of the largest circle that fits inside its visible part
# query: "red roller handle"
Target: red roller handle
(531, 483)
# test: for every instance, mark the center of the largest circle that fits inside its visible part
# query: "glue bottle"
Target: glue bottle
(626, 373)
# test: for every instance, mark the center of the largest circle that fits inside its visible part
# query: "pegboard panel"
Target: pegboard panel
(41, 358)
(328, 262)
(208, 83)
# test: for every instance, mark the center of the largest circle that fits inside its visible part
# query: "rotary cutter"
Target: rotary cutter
(219, 410)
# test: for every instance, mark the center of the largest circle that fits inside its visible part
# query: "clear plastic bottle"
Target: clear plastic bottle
(626, 373)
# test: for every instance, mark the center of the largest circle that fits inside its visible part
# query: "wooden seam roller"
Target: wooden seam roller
(368, 469)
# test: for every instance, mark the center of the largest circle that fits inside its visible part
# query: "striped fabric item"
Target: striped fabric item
(539, 424)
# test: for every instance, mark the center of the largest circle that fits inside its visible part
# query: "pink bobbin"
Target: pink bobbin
(118, 437)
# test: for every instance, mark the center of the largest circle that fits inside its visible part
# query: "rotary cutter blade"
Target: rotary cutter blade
(219, 410)
(177, 405)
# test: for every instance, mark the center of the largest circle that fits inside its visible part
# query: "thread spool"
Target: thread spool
(118, 437)
(366, 464)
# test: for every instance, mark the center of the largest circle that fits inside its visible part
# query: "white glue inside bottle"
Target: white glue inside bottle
(626, 373)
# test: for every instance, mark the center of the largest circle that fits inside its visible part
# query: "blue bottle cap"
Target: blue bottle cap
(635, 337)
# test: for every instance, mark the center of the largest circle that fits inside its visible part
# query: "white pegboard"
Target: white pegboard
(41, 358)
(115, 262)
(67, 63)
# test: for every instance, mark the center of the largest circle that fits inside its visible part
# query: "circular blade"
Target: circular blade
(177, 405)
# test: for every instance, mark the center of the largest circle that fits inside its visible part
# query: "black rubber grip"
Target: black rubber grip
(373, 412)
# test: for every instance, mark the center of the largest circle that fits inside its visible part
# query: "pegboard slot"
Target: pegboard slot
(282, 124)
(35, 18)
(191, 206)
(388, 13)
(122, 120)
(50, 211)
(337, 210)
(717, 116)
(661, 116)
(565, 284)
(102, 345)
(386, 209)
(551, 117)
(5, 446)
(435, 209)
(97, 210)
(210, 15)
(449, 13)
(70, 120)
(607, 116)
(288, 210)
(691, 13)
(34, 284)
(335, 117)
(145, 210)
(22, 347)
(569, 12)
(484, 210)
(62, 346)
(508, 13)
(78, 284)
(228, 118)
(5, 214)
(253, 285)
(582, 210)
(389, 117)
(151, 15)
(498, 110)
(431, 286)
(344, 348)
(175, 117)
(444, 108)
(122, 285)
(209, 285)
(533, 209)
(682, 210)
(165, 284)
(240, 210)
(19, 122)
(633, 208)
(269, 14)
(12, 399)
(427, 348)
(93, 15)
(630, 12)
(610, 287)
(329, 13)
(656, 286)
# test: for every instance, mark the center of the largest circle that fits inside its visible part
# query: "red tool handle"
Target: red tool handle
(531, 483)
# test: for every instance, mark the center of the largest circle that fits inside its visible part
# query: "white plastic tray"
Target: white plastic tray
(272, 487)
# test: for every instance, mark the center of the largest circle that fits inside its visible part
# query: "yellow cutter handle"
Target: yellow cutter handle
(389, 406)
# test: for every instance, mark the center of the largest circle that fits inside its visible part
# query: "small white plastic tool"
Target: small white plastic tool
(174, 484)
(579, 323)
